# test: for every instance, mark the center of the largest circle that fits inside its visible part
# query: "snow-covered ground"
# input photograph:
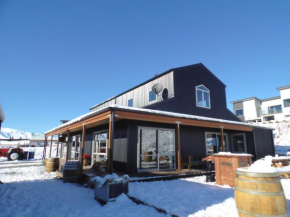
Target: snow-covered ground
(30, 191)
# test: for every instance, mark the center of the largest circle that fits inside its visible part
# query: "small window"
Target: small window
(239, 143)
(152, 96)
(130, 103)
(269, 118)
(239, 112)
(202, 96)
(275, 109)
(287, 103)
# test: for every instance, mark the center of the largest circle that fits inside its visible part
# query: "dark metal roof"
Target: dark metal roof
(155, 77)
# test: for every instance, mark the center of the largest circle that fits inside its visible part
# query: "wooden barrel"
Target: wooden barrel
(147, 157)
(52, 164)
(259, 194)
(72, 171)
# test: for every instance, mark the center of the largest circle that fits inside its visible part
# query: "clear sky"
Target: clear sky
(58, 58)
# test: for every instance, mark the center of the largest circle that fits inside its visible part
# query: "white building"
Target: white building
(270, 109)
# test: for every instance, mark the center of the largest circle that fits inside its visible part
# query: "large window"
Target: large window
(275, 109)
(239, 112)
(287, 103)
(152, 96)
(130, 103)
(202, 96)
(214, 143)
(239, 143)
(156, 149)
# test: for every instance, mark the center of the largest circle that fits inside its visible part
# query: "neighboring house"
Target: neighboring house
(139, 130)
(271, 109)
(2, 116)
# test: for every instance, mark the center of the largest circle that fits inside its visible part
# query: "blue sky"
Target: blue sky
(58, 58)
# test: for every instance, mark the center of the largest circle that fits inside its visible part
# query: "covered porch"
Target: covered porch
(135, 140)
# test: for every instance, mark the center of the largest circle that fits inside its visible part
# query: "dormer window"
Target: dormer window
(202, 96)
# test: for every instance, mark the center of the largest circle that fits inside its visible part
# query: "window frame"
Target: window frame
(284, 102)
(153, 101)
(239, 110)
(203, 91)
(217, 133)
(245, 142)
(132, 102)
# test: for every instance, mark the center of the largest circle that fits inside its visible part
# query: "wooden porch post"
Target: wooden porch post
(44, 148)
(178, 147)
(50, 145)
(57, 145)
(111, 142)
(83, 146)
(222, 139)
(67, 144)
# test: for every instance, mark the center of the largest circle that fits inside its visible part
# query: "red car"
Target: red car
(12, 153)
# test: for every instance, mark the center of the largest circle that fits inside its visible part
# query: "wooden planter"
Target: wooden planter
(110, 190)
(259, 194)
(226, 165)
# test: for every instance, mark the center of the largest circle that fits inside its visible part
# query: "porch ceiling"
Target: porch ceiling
(183, 121)
(90, 122)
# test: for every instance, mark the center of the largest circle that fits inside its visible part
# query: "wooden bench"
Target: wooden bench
(192, 160)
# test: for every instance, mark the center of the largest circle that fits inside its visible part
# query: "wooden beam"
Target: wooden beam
(50, 145)
(111, 142)
(178, 148)
(57, 146)
(83, 147)
(67, 146)
(44, 149)
(185, 121)
(222, 139)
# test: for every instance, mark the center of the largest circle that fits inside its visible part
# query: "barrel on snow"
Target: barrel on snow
(52, 164)
(259, 194)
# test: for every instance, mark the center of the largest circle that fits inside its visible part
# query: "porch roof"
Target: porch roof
(101, 116)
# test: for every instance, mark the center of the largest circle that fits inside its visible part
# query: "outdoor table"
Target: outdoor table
(279, 162)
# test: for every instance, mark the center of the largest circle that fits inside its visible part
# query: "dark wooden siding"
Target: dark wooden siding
(264, 143)
(184, 101)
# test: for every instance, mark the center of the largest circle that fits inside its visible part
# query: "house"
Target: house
(270, 109)
(2, 116)
(180, 112)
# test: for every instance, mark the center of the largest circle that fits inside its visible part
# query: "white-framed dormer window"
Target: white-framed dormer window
(130, 103)
(152, 96)
(202, 96)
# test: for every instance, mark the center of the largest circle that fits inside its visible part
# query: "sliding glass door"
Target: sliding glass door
(100, 147)
(75, 148)
(156, 149)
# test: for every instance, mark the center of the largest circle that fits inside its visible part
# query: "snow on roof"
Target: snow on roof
(151, 111)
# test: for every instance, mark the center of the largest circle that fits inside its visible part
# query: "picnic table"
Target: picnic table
(281, 162)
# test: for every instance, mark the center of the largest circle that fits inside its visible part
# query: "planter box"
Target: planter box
(226, 165)
(107, 191)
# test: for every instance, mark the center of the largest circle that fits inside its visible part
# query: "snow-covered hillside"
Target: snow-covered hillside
(7, 133)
